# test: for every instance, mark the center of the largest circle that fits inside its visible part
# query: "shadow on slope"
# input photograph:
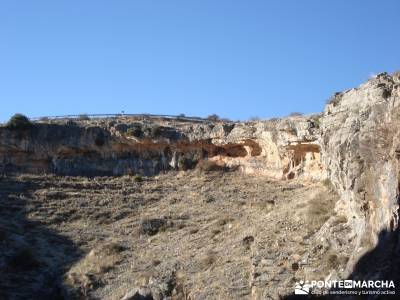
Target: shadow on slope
(33, 258)
(381, 263)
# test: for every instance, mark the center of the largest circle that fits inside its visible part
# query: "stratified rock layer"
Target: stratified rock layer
(281, 149)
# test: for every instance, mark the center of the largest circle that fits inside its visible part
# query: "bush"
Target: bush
(152, 226)
(186, 163)
(83, 117)
(135, 131)
(209, 165)
(295, 114)
(70, 122)
(316, 121)
(213, 117)
(335, 99)
(19, 121)
(156, 131)
(137, 178)
(328, 183)
(254, 119)
(320, 208)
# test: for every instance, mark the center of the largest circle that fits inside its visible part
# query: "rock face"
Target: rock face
(360, 146)
(282, 149)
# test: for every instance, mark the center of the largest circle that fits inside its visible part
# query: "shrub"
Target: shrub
(213, 117)
(83, 117)
(71, 122)
(90, 270)
(207, 260)
(135, 131)
(209, 199)
(225, 120)
(186, 163)
(181, 117)
(335, 99)
(44, 119)
(332, 261)
(152, 226)
(254, 119)
(295, 114)
(137, 178)
(19, 121)
(386, 93)
(209, 165)
(156, 131)
(320, 208)
(275, 120)
(316, 120)
(328, 183)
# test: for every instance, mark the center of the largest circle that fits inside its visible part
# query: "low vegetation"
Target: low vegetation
(254, 119)
(213, 117)
(206, 165)
(186, 163)
(19, 121)
(105, 236)
(335, 99)
(152, 226)
(320, 208)
(137, 178)
(327, 183)
(135, 130)
(316, 120)
(295, 114)
(83, 117)
(87, 273)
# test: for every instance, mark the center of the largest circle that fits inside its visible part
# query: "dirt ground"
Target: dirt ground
(183, 235)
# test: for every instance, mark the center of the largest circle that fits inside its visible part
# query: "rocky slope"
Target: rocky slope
(354, 145)
(181, 235)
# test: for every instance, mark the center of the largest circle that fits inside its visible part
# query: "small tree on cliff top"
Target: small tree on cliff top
(213, 117)
(19, 121)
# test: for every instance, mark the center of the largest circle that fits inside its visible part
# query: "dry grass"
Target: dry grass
(320, 208)
(222, 228)
(88, 272)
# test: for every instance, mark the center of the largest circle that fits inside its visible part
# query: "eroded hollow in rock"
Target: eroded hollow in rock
(241, 149)
(299, 155)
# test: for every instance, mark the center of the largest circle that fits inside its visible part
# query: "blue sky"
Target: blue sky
(237, 59)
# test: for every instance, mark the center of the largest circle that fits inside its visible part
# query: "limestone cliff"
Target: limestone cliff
(360, 146)
(282, 148)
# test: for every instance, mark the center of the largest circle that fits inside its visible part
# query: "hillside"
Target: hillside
(123, 207)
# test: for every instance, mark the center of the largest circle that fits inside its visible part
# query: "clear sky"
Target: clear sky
(237, 59)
